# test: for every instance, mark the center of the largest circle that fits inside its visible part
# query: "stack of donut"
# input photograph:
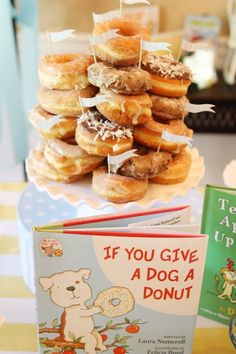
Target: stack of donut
(63, 80)
(170, 82)
(140, 103)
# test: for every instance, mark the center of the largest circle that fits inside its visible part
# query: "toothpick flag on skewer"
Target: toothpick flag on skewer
(116, 161)
(173, 138)
(131, 2)
(192, 47)
(154, 46)
(45, 125)
(197, 108)
(91, 102)
(58, 36)
(103, 38)
(99, 18)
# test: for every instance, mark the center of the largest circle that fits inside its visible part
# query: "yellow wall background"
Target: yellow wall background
(56, 15)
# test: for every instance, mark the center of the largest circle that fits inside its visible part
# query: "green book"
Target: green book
(218, 295)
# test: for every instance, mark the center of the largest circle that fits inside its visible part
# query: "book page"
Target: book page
(172, 218)
(167, 229)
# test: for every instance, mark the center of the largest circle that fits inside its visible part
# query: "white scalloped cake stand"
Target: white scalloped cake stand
(81, 195)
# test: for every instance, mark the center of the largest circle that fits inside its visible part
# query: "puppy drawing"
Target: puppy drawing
(70, 290)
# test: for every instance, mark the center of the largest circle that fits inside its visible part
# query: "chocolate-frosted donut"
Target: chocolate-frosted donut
(127, 80)
(169, 77)
(98, 136)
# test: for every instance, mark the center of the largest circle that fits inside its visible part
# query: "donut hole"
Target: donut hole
(115, 302)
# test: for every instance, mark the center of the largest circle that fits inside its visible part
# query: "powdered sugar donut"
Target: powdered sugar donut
(115, 301)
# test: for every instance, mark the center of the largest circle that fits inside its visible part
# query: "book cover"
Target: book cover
(102, 288)
(218, 296)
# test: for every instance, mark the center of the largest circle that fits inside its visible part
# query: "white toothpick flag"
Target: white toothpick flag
(193, 46)
(91, 102)
(45, 125)
(103, 38)
(131, 2)
(99, 18)
(115, 161)
(173, 138)
(197, 108)
(60, 36)
(153, 46)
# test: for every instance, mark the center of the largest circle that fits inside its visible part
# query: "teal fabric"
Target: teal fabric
(17, 81)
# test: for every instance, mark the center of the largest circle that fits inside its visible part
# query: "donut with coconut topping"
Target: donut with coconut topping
(98, 136)
(169, 77)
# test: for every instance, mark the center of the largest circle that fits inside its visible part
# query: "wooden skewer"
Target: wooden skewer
(179, 52)
(50, 43)
(108, 165)
(82, 108)
(159, 146)
(91, 44)
(121, 4)
(140, 53)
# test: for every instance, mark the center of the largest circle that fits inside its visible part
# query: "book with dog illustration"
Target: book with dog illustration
(218, 297)
(103, 285)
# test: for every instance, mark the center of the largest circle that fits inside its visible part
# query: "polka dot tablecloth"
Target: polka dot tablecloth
(37, 208)
(18, 333)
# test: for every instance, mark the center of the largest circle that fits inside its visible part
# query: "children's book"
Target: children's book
(103, 285)
(218, 296)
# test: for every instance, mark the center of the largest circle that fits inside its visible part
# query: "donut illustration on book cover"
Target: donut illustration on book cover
(77, 330)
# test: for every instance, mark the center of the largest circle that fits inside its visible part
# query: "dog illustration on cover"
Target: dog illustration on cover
(69, 290)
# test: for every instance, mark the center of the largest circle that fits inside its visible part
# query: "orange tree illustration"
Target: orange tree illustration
(118, 343)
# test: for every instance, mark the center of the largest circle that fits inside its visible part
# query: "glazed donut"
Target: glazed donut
(150, 134)
(64, 102)
(145, 166)
(106, 299)
(169, 108)
(126, 80)
(99, 136)
(70, 159)
(64, 129)
(177, 171)
(125, 109)
(64, 71)
(42, 168)
(122, 50)
(117, 188)
(169, 77)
